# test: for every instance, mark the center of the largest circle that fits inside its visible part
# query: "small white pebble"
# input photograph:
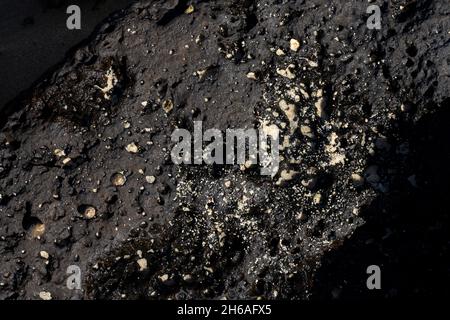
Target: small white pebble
(251, 75)
(187, 277)
(317, 199)
(59, 153)
(150, 179)
(118, 179)
(90, 212)
(295, 45)
(280, 53)
(142, 264)
(44, 295)
(164, 277)
(132, 148)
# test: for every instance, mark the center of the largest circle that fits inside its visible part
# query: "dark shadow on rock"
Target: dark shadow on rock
(407, 229)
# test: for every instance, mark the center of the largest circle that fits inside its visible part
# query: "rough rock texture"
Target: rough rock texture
(353, 106)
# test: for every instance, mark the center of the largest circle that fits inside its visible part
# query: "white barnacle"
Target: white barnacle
(111, 81)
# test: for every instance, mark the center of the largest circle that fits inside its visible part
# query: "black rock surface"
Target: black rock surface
(363, 178)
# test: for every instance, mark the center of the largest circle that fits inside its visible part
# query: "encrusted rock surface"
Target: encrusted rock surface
(86, 174)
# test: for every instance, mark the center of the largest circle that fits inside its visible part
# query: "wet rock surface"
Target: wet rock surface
(86, 174)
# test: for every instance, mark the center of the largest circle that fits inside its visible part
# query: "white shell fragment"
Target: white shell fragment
(132, 148)
(150, 179)
(142, 264)
(295, 45)
(44, 295)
